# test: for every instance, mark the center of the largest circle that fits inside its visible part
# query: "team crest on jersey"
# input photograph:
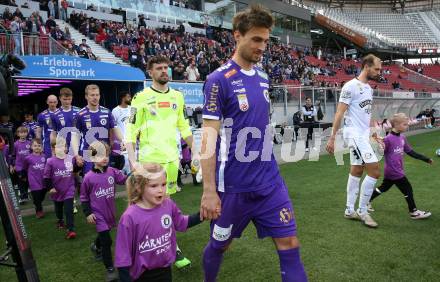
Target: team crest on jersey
(166, 221)
(43, 159)
(243, 102)
(266, 95)
(230, 73)
(111, 180)
(28, 146)
(174, 106)
(103, 121)
(62, 121)
(68, 165)
(286, 215)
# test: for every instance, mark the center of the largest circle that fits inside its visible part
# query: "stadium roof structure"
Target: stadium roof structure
(378, 4)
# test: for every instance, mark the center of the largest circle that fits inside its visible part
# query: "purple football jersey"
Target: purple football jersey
(99, 190)
(240, 99)
(34, 165)
(60, 171)
(45, 121)
(146, 238)
(22, 149)
(87, 120)
(31, 126)
(64, 118)
(395, 146)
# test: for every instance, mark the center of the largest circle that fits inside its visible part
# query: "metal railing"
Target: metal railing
(29, 44)
(288, 99)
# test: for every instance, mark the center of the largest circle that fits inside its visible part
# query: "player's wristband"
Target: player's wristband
(194, 220)
(87, 209)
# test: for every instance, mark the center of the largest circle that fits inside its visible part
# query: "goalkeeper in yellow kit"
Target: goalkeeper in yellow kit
(157, 113)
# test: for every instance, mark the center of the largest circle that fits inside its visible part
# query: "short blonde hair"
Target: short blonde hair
(397, 118)
(91, 87)
(139, 178)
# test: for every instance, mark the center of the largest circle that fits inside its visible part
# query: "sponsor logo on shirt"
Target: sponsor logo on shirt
(286, 215)
(398, 150)
(243, 102)
(105, 192)
(221, 233)
(237, 83)
(166, 221)
(24, 151)
(211, 103)
(367, 105)
(240, 90)
(63, 173)
(230, 73)
(159, 244)
(164, 104)
(39, 166)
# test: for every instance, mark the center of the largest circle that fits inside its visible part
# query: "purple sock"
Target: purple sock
(212, 258)
(292, 269)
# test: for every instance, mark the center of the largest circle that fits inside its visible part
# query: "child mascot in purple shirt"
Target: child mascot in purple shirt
(34, 165)
(97, 195)
(395, 145)
(146, 238)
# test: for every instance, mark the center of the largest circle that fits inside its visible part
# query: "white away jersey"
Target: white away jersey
(359, 98)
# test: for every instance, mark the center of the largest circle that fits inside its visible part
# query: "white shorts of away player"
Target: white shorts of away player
(361, 151)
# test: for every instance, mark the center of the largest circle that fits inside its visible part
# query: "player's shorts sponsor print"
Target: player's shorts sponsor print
(361, 151)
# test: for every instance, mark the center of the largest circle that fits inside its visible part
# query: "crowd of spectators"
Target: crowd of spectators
(35, 29)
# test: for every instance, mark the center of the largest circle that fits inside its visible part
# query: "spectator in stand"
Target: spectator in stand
(89, 54)
(51, 7)
(70, 50)
(67, 35)
(396, 85)
(7, 15)
(178, 72)
(33, 28)
(16, 28)
(19, 14)
(84, 44)
(64, 6)
(50, 23)
(203, 69)
(57, 33)
(12, 3)
(192, 71)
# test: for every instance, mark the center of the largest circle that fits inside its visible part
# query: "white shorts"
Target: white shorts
(361, 151)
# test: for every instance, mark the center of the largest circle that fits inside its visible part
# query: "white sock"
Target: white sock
(352, 191)
(367, 189)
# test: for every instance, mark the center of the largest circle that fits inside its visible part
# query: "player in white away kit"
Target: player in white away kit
(356, 103)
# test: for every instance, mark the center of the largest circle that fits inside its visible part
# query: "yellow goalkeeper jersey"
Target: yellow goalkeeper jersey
(155, 118)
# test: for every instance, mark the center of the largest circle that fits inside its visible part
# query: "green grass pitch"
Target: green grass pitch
(333, 248)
